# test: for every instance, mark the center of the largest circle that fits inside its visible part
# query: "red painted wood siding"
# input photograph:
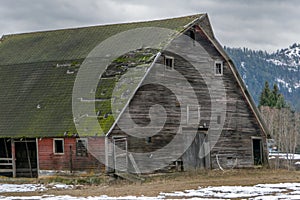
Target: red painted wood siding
(50, 161)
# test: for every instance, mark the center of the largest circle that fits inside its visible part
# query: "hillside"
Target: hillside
(281, 67)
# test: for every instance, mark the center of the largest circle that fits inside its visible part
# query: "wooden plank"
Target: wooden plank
(6, 170)
(28, 158)
(5, 159)
(26, 170)
(13, 153)
(135, 166)
(6, 164)
(130, 177)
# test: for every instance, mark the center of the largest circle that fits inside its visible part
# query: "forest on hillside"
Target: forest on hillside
(281, 68)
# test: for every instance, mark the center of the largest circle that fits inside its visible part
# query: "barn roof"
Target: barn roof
(38, 70)
(70, 44)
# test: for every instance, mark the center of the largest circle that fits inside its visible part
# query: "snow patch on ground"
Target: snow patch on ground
(31, 187)
(289, 156)
(67, 197)
(21, 188)
(260, 191)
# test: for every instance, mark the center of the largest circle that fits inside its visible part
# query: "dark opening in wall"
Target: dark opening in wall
(58, 146)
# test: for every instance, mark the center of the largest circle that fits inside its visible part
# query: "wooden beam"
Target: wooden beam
(5, 164)
(28, 158)
(6, 170)
(13, 155)
(5, 159)
(37, 157)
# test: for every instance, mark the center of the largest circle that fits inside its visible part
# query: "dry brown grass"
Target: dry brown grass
(179, 182)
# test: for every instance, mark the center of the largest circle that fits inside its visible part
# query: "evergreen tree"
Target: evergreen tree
(280, 103)
(272, 98)
(265, 95)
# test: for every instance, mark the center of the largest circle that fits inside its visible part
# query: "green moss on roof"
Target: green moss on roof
(36, 99)
(38, 70)
(113, 88)
(70, 44)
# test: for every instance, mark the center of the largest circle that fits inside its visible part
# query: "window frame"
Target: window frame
(167, 67)
(54, 146)
(189, 120)
(80, 154)
(218, 72)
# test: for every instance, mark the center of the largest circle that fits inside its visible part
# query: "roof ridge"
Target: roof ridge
(73, 43)
(100, 25)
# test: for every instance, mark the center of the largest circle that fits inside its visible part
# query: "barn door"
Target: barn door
(197, 156)
(26, 158)
(120, 154)
(257, 151)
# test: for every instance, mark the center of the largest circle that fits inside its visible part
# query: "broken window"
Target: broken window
(81, 147)
(58, 146)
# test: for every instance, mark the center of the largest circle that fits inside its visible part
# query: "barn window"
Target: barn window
(218, 68)
(169, 62)
(58, 146)
(193, 114)
(81, 147)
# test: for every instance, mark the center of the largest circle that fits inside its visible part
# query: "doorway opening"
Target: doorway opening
(26, 158)
(257, 151)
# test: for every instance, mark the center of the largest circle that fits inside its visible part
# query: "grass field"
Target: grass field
(155, 184)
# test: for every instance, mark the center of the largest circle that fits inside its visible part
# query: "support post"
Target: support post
(5, 146)
(71, 160)
(13, 155)
(28, 158)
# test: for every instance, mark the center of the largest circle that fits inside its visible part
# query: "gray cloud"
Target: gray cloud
(258, 24)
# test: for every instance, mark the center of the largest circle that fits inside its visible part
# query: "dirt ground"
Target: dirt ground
(153, 185)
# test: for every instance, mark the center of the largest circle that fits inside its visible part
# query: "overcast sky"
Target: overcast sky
(257, 24)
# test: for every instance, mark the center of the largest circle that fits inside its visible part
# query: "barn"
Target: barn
(172, 99)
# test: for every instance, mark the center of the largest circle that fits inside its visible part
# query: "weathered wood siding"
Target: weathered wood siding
(233, 147)
(50, 161)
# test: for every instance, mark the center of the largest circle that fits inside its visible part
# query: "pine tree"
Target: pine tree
(265, 95)
(280, 103)
(272, 98)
